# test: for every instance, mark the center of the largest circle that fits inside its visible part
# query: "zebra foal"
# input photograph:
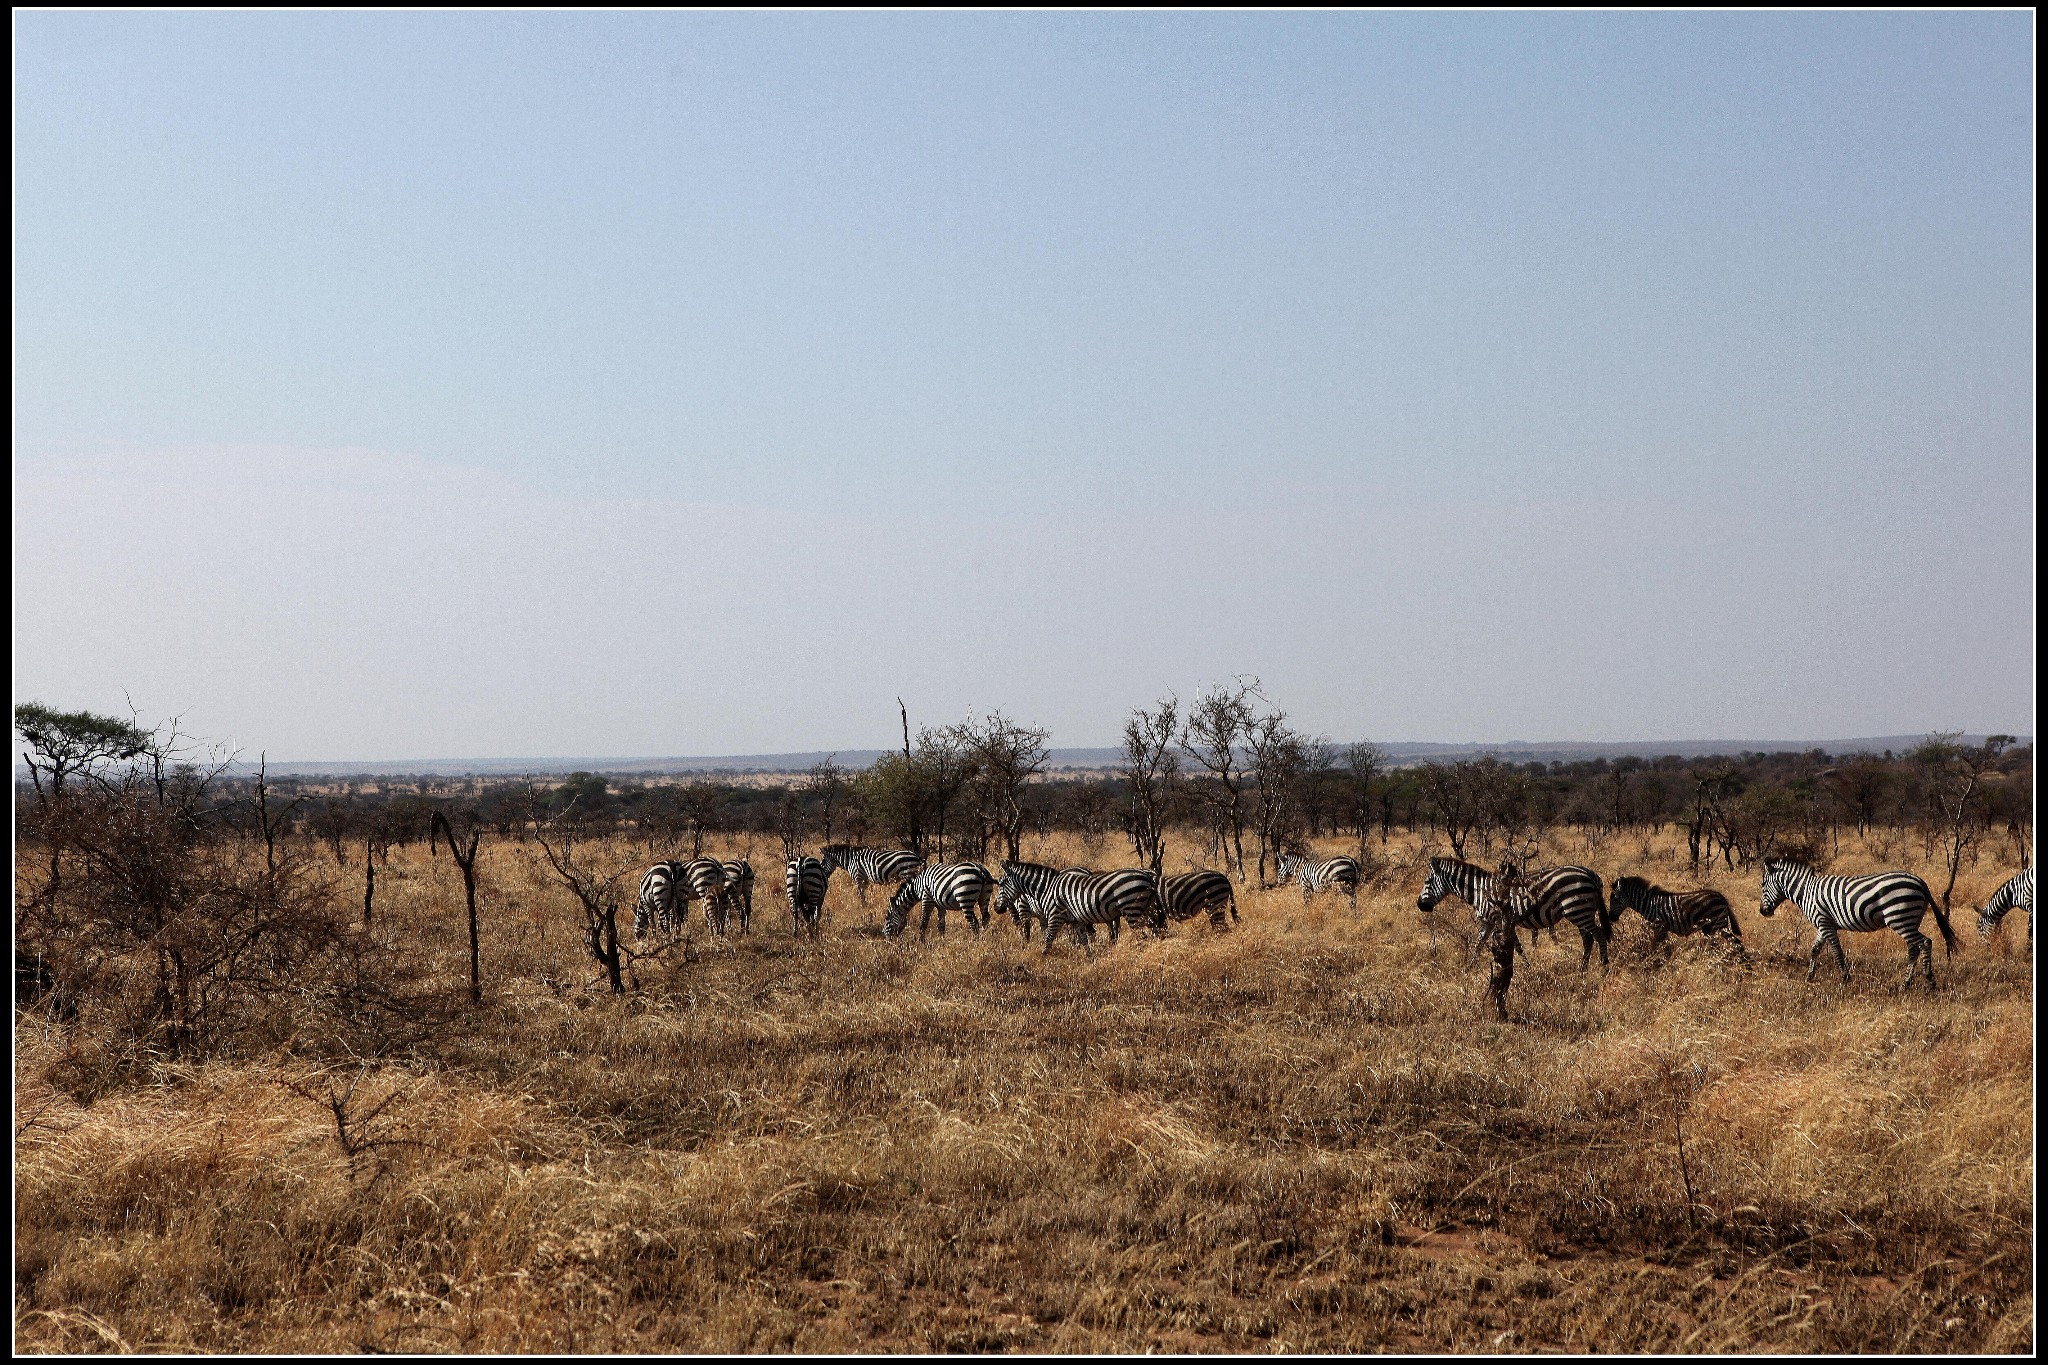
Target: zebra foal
(1675, 912)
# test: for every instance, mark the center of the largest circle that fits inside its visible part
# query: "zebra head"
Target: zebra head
(1439, 885)
(1628, 893)
(898, 914)
(1776, 888)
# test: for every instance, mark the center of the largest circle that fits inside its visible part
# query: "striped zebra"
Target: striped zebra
(1544, 898)
(1882, 900)
(1704, 911)
(804, 881)
(1187, 894)
(1083, 900)
(739, 890)
(2016, 894)
(872, 866)
(658, 907)
(704, 880)
(962, 886)
(1021, 893)
(667, 889)
(1340, 874)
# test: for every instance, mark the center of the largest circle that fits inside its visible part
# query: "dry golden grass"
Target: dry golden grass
(1305, 1134)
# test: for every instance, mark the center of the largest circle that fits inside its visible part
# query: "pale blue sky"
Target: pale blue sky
(619, 384)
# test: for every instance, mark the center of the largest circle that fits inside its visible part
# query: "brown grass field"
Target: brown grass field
(1306, 1134)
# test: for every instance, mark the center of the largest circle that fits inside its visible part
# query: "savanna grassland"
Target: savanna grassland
(1307, 1133)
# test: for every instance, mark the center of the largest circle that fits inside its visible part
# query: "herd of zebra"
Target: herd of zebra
(1079, 899)
(1032, 894)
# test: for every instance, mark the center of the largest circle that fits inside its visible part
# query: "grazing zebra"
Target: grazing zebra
(1883, 900)
(703, 879)
(1085, 899)
(739, 890)
(962, 886)
(659, 907)
(1674, 912)
(872, 866)
(1342, 874)
(805, 880)
(1187, 894)
(1021, 892)
(1544, 898)
(2016, 894)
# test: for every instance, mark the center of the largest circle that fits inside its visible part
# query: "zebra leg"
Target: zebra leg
(1834, 941)
(1586, 949)
(1115, 928)
(1921, 948)
(1820, 941)
(1658, 935)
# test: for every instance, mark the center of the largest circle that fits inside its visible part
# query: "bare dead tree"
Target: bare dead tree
(465, 858)
(596, 889)
(1279, 766)
(1150, 772)
(270, 828)
(1212, 733)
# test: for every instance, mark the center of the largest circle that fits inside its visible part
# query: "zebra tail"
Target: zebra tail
(1948, 935)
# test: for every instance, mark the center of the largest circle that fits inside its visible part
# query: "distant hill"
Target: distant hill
(1079, 760)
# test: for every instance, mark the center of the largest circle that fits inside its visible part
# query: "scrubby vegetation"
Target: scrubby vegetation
(256, 1112)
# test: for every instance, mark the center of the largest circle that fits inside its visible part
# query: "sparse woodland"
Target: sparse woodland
(310, 1068)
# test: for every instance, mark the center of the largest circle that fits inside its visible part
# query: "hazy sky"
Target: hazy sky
(532, 384)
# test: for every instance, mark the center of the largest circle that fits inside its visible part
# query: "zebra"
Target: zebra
(805, 880)
(1544, 898)
(870, 866)
(703, 879)
(1020, 894)
(1342, 874)
(2016, 894)
(1675, 912)
(1187, 894)
(1085, 899)
(739, 888)
(964, 886)
(658, 906)
(1882, 900)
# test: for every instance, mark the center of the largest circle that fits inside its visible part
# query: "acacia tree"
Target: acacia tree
(64, 746)
(1150, 772)
(1002, 756)
(942, 767)
(1955, 794)
(1365, 763)
(1453, 802)
(1213, 732)
(1279, 767)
